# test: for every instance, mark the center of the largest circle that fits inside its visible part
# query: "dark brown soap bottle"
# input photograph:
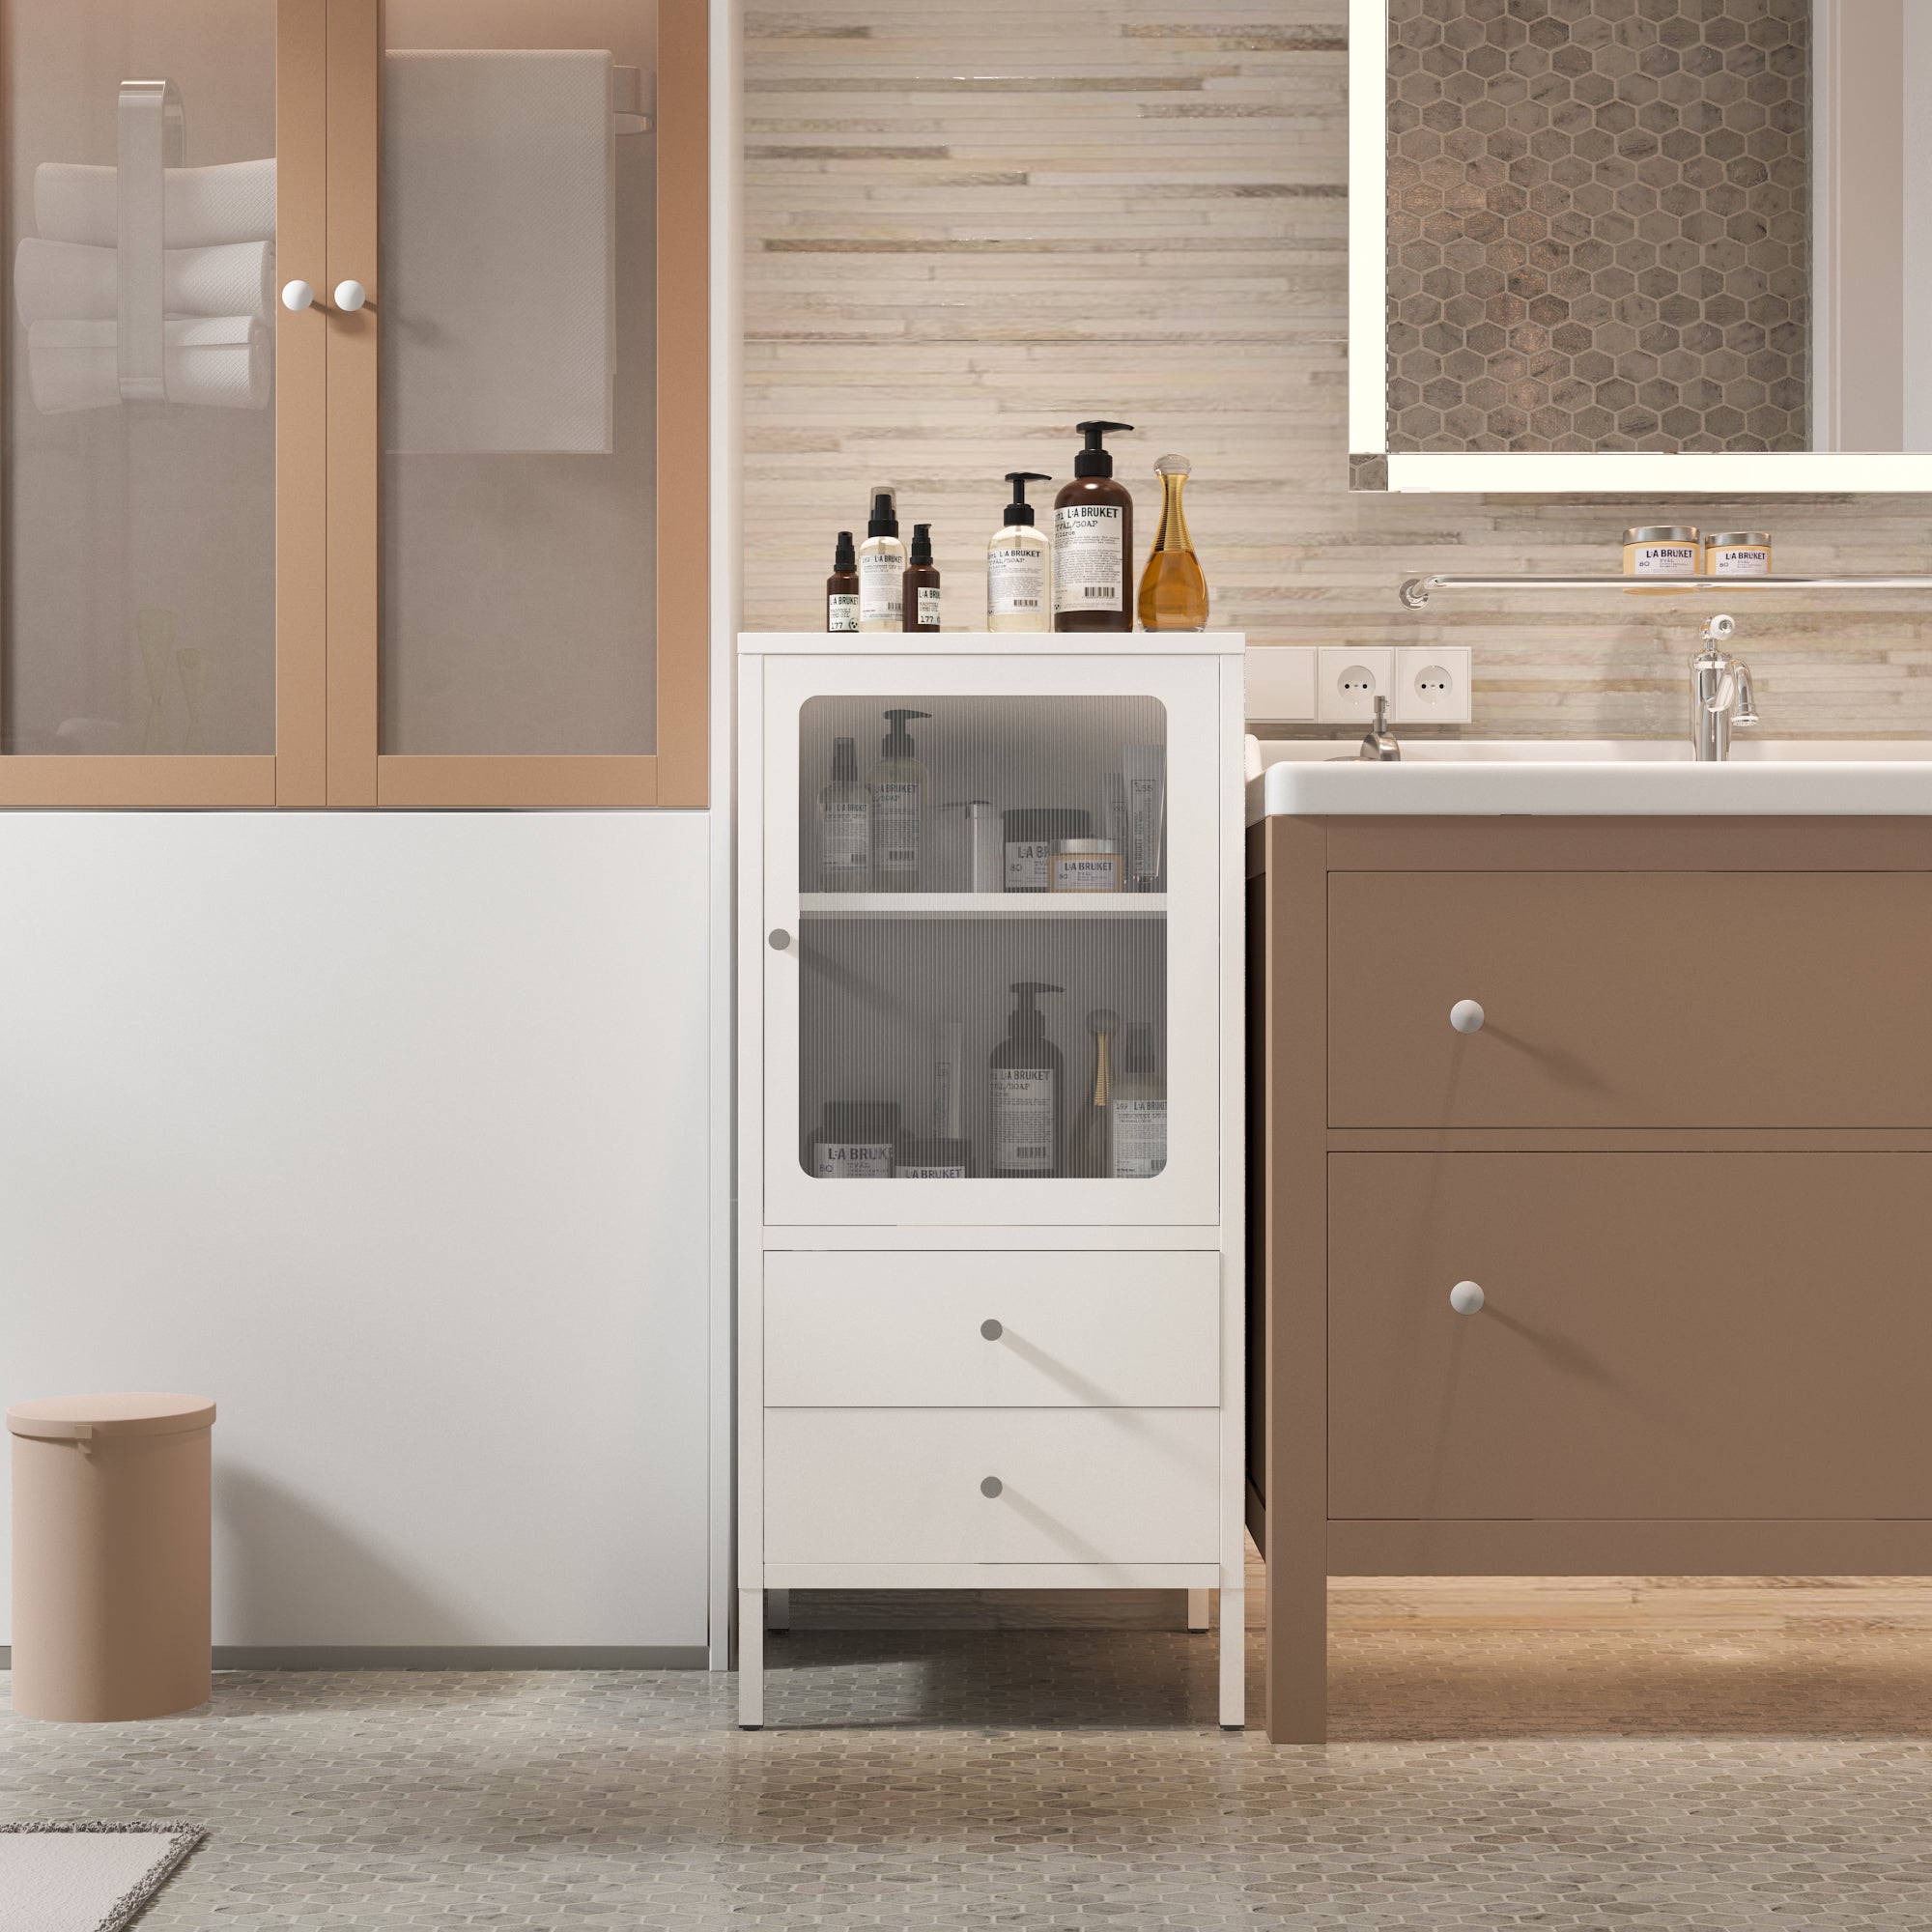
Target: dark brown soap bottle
(1029, 1092)
(1093, 541)
(921, 584)
(841, 587)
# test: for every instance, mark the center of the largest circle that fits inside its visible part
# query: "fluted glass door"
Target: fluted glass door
(140, 420)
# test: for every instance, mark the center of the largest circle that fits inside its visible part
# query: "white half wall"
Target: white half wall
(390, 1133)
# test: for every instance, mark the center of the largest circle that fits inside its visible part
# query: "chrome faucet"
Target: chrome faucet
(1378, 742)
(1721, 693)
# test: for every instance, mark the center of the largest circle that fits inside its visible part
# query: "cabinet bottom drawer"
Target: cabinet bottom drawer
(991, 1486)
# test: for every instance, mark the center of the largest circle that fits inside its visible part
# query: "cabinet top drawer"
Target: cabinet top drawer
(1630, 1000)
(958, 1328)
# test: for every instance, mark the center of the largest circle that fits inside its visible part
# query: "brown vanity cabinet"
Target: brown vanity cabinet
(1687, 1158)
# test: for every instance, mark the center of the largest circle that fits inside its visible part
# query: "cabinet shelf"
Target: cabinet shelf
(982, 905)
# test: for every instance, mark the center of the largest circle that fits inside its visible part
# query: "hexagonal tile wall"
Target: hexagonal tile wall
(1598, 225)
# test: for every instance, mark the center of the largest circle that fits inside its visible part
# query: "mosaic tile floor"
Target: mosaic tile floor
(1593, 1759)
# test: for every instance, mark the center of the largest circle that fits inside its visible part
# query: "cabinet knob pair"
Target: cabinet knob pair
(298, 295)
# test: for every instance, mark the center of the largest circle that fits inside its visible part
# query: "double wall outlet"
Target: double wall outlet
(1338, 684)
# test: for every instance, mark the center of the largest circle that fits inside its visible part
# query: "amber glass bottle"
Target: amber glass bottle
(920, 584)
(1174, 593)
(1093, 541)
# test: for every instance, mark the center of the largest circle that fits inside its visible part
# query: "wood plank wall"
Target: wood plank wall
(969, 225)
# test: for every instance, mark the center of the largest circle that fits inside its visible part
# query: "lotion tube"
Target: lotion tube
(945, 1069)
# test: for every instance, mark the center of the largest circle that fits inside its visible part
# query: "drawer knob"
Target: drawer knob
(992, 1330)
(1466, 1297)
(1467, 1016)
(780, 938)
(991, 1486)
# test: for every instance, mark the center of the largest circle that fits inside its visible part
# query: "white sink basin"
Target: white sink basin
(1591, 778)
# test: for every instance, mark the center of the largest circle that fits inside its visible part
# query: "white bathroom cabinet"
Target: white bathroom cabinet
(954, 1375)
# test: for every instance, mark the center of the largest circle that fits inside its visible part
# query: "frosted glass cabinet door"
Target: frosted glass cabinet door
(139, 626)
(518, 329)
(992, 905)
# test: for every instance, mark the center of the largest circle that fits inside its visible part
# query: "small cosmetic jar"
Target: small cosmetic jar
(1662, 550)
(1087, 865)
(1738, 554)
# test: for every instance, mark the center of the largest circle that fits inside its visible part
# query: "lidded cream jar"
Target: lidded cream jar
(1738, 554)
(1662, 550)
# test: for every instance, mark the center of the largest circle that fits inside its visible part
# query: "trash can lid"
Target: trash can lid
(77, 1417)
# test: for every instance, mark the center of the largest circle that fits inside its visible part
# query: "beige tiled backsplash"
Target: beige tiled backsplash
(967, 227)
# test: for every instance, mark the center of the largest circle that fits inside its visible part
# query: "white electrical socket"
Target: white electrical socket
(1347, 681)
(1430, 685)
(1281, 683)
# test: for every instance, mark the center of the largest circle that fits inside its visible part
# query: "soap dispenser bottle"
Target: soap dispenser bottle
(1093, 541)
(1139, 1146)
(882, 567)
(844, 825)
(1016, 564)
(1029, 1092)
(902, 791)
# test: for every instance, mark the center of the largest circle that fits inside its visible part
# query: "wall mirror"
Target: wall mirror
(1634, 245)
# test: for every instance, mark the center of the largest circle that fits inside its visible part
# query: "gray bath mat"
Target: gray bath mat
(86, 1878)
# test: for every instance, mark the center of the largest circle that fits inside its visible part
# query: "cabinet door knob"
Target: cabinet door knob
(297, 295)
(991, 1486)
(350, 296)
(1466, 1297)
(1467, 1016)
(780, 939)
(992, 1330)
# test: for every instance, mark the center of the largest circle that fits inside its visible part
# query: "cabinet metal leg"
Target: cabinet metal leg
(1196, 1610)
(1233, 1660)
(777, 1611)
(751, 1659)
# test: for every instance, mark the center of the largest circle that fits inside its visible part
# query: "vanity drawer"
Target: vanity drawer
(1081, 1331)
(1631, 999)
(1663, 1336)
(1079, 1486)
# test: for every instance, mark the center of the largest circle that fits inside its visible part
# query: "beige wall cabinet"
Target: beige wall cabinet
(1621, 1274)
(358, 384)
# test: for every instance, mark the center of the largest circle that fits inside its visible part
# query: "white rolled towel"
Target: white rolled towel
(223, 363)
(61, 281)
(205, 207)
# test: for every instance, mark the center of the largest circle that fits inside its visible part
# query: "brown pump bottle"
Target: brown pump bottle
(1093, 541)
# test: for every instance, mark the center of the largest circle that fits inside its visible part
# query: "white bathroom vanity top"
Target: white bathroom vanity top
(1590, 777)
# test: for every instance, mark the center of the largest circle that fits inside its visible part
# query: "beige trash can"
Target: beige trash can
(110, 1556)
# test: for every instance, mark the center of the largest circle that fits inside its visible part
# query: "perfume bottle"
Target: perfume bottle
(1090, 1147)
(1173, 594)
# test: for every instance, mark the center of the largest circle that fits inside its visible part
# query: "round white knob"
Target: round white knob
(1467, 1016)
(1466, 1297)
(297, 295)
(350, 296)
